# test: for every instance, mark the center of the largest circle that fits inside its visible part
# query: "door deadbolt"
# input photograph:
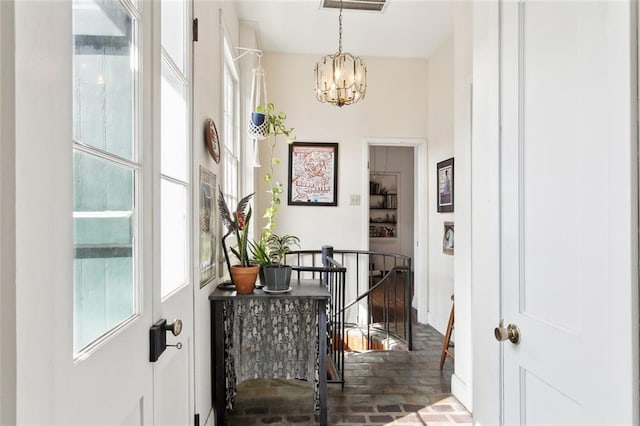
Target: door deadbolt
(158, 337)
(511, 332)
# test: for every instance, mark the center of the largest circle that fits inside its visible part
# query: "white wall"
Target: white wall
(441, 147)
(207, 103)
(397, 160)
(390, 109)
(461, 382)
(7, 219)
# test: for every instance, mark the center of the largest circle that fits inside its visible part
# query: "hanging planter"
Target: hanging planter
(258, 125)
(258, 121)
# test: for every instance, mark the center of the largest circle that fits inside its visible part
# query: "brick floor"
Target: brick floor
(381, 388)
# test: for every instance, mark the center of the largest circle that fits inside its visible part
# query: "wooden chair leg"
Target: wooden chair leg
(447, 339)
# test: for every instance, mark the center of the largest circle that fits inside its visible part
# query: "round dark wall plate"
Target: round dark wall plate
(212, 140)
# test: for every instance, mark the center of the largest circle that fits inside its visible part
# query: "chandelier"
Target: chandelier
(341, 78)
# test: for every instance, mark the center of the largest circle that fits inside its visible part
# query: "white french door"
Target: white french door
(110, 380)
(173, 372)
(568, 218)
(131, 208)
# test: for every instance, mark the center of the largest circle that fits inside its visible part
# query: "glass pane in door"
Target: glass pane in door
(104, 77)
(174, 236)
(105, 216)
(173, 123)
(103, 234)
(174, 28)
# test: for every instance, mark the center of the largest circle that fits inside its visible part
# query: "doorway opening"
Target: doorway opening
(395, 189)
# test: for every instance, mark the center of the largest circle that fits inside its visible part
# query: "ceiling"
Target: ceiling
(405, 28)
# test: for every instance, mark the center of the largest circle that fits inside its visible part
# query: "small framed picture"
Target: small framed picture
(447, 238)
(313, 174)
(445, 186)
(208, 227)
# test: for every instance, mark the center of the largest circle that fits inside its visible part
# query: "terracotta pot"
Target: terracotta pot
(245, 278)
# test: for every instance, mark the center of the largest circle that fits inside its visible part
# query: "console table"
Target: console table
(267, 335)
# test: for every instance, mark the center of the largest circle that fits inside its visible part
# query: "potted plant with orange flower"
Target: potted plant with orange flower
(243, 275)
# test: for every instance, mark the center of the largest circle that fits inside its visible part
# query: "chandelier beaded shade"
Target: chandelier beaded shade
(341, 78)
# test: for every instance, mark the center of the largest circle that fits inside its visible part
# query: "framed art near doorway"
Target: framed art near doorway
(445, 186)
(313, 174)
(447, 238)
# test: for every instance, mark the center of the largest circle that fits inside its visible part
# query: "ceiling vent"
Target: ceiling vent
(367, 5)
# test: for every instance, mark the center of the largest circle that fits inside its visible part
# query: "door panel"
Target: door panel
(173, 372)
(173, 386)
(559, 89)
(545, 404)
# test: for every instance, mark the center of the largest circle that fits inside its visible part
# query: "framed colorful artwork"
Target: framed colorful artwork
(313, 174)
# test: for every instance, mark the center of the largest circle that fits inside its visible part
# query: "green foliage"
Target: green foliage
(278, 246)
(238, 223)
(276, 126)
(242, 237)
(259, 253)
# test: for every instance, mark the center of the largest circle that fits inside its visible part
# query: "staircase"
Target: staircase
(370, 306)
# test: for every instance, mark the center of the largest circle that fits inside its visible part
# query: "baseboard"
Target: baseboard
(460, 390)
(210, 418)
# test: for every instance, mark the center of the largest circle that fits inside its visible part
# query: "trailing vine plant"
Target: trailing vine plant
(276, 127)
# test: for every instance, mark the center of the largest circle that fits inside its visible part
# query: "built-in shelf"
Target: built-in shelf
(383, 206)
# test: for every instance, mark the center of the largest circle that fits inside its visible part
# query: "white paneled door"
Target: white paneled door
(567, 214)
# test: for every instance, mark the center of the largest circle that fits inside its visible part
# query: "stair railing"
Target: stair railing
(380, 289)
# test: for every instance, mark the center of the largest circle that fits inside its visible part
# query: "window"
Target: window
(175, 169)
(231, 131)
(105, 168)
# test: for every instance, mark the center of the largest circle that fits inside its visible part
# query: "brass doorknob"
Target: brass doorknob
(511, 332)
(175, 327)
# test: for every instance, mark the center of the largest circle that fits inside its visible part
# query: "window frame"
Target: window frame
(231, 119)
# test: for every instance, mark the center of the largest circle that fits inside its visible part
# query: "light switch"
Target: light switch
(355, 200)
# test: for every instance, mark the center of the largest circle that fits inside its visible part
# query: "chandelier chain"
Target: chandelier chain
(340, 22)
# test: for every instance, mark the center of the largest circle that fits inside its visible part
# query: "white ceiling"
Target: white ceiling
(406, 28)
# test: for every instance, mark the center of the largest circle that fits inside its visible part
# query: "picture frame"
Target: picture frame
(448, 238)
(313, 174)
(445, 188)
(209, 227)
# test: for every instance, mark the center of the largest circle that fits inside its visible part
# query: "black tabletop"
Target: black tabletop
(300, 289)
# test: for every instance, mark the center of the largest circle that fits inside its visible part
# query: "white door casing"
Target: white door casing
(568, 213)
(420, 222)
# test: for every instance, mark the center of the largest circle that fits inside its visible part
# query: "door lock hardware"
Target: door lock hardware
(175, 327)
(511, 332)
(178, 346)
(158, 337)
